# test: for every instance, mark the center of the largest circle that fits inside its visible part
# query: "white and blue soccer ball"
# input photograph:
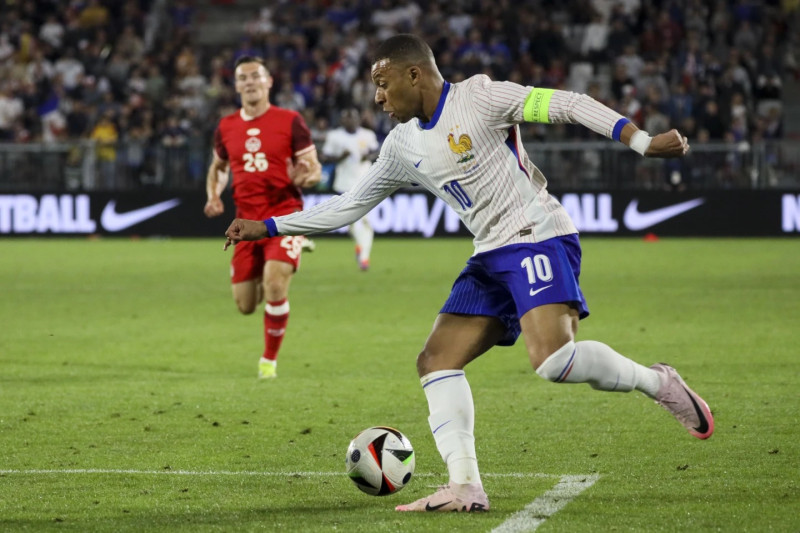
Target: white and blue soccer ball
(380, 460)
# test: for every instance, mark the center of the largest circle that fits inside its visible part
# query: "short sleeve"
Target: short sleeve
(219, 145)
(301, 135)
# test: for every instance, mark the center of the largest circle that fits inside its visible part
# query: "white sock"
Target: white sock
(600, 366)
(363, 234)
(452, 422)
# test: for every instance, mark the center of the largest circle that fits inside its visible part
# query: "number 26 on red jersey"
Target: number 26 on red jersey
(255, 162)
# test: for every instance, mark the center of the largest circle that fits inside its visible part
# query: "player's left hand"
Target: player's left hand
(669, 144)
(244, 230)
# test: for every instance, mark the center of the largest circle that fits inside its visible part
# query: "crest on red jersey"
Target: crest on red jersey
(253, 144)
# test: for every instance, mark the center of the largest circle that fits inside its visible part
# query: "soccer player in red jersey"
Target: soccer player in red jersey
(270, 153)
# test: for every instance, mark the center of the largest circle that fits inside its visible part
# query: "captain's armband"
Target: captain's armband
(537, 106)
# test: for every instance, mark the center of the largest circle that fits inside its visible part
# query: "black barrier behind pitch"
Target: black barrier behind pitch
(706, 213)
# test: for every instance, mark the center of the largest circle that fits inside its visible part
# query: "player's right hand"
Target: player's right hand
(214, 207)
(669, 144)
(244, 230)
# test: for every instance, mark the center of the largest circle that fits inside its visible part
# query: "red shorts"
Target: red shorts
(249, 257)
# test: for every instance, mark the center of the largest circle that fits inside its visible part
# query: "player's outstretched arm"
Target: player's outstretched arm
(553, 106)
(244, 230)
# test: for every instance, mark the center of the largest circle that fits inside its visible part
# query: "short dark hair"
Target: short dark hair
(404, 48)
(249, 59)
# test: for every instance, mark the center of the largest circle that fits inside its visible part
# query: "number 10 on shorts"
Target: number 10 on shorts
(538, 267)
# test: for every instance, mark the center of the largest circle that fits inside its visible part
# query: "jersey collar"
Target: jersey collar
(439, 107)
(248, 118)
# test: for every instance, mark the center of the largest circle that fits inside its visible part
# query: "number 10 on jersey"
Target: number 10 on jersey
(455, 190)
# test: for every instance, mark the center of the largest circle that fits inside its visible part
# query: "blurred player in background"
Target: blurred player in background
(352, 148)
(461, 142)
(270, 153)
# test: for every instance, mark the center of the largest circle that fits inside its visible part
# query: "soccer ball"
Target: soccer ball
(380, 460)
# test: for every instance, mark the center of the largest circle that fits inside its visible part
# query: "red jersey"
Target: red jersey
(257, 150)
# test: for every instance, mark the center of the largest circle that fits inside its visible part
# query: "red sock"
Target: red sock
(276, 316)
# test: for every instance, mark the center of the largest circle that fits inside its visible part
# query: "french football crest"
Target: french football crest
(461, 147)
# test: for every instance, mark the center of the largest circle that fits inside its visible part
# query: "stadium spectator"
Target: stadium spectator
(130, 45)
(106, 135)
(182, 14)
(11, 110)
(679, 107)
(52, 31)
(135, 144)
(289, 98)
(156, 85)
(619, 36)
(174, 139)
(94, 15)
(71, 71)
(710, 120)
(593, 45)
(78, 119)
(258, 143)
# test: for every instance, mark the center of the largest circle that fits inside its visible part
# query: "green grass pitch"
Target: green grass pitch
(128, 398)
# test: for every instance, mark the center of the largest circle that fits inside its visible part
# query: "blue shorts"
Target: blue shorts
(508, 282)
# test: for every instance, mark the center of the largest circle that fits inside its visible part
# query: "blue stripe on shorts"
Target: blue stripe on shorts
(508, 282)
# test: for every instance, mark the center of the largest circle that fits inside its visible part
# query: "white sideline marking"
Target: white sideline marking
(539, 510)
(232, 473)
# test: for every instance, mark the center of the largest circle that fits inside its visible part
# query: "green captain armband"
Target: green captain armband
(537, 106)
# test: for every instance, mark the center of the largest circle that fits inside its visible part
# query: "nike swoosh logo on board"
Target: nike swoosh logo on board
(636, 220)
(537, 291)
(113, 221)
(429, 507)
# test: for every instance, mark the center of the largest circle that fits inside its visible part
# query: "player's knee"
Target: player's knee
(557, 365)
(245, 305)
(424, 362)
(246, 309)
(431, 360)
(276, 289)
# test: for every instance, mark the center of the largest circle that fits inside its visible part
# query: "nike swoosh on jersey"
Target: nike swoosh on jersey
(636, 220)
(113, 221)
(537, 291)
(416, 165)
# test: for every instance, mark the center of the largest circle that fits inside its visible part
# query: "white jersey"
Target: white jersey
(470, 155)
(359, 143)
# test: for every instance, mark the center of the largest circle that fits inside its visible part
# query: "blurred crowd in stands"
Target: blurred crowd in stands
(133, 71)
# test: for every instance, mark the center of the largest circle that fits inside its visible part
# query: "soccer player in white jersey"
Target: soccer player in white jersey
(461, 142)
(352, 148)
